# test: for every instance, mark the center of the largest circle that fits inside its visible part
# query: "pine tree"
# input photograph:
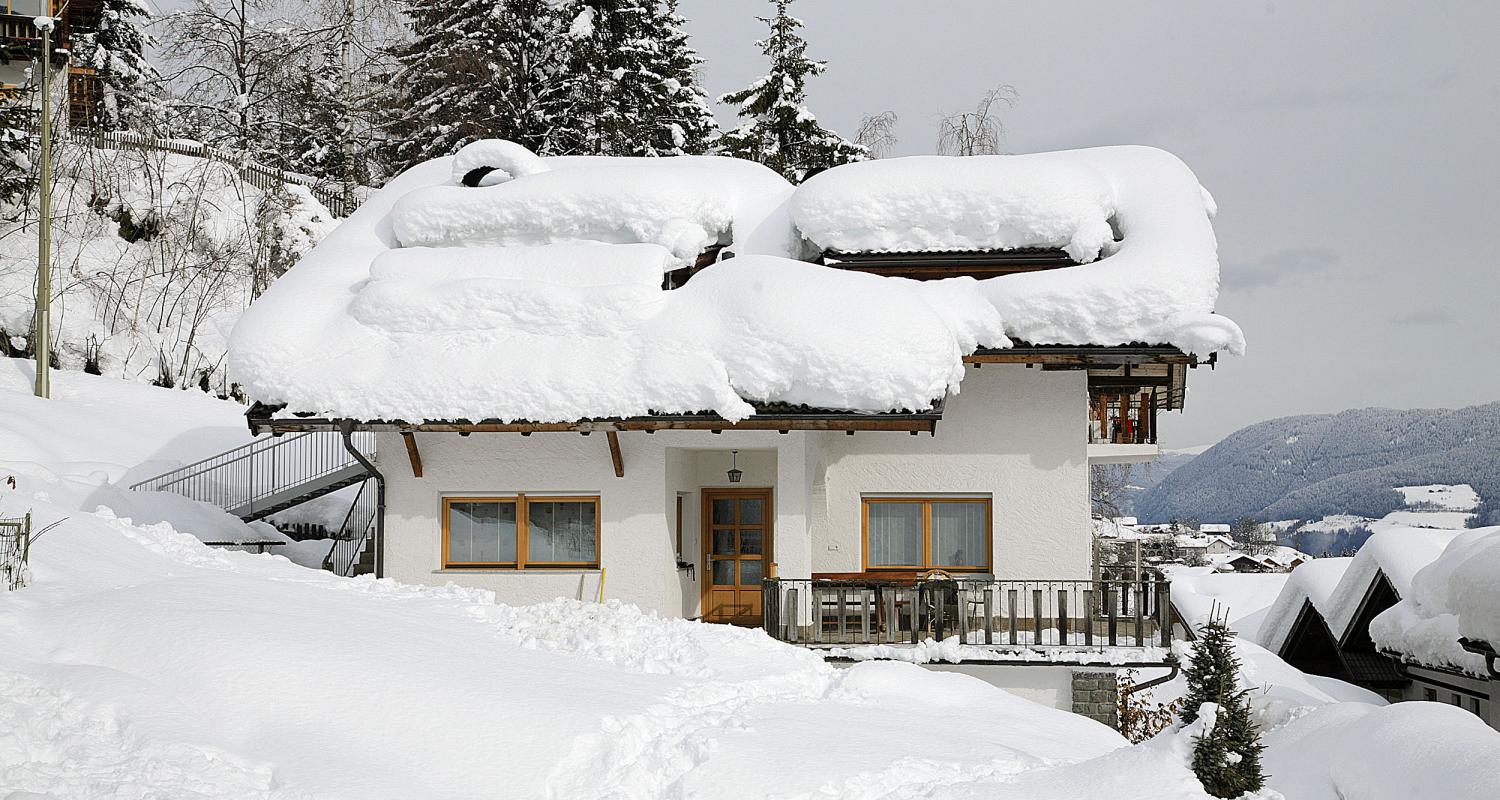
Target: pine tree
(318, 118)
(778, 130)
(478, 69)
(116, 51)
(1214, 665)
(17, 129)
(1226, 757)
(633, 81)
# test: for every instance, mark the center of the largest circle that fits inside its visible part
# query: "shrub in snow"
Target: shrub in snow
(1141, 717)
(154, 257)
(1226, 753)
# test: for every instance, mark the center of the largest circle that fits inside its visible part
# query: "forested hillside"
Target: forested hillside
(1308, 467)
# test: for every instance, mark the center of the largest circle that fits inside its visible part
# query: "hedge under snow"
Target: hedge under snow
(536, 294)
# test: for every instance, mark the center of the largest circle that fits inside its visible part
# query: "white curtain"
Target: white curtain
(895, 534)
(958, 534)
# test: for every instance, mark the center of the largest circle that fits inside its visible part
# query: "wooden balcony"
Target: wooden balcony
(1001, 619)
(1122, 426)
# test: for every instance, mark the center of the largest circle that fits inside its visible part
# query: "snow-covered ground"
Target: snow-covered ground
(155, 255)
(141, 664)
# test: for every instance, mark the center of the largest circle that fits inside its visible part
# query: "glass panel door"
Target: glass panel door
(737, 547)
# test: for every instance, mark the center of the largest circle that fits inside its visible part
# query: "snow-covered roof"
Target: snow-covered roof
(1395, 551)
(1312, 581)
(1213, 527)
(1457, 595)
(531, 296)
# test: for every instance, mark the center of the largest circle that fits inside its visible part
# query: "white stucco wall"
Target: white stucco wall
(638, 512)
(1014, 434)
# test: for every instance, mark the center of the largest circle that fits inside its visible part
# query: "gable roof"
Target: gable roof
(534, 296)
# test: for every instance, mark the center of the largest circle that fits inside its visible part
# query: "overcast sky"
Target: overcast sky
(1351, 147)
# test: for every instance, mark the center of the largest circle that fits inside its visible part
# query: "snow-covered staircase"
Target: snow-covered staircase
(269, 475)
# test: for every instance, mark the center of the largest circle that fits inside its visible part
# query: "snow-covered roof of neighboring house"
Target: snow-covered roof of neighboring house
(1312, 581)
(1213, 527)
(534, 295)
(1456, 595)
(1199, 592)
(1395, 551)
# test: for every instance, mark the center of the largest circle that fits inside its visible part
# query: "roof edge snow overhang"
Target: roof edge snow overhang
(262, 419)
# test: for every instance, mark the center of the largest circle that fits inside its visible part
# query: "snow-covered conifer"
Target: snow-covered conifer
(1226, 756)
(778, 130)
(116, 51)
(477, 69)
(633, 78)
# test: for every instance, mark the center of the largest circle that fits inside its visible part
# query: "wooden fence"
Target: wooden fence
(330, 193)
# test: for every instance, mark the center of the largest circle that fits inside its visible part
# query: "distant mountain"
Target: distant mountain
(1145, 477)
(1309, 467)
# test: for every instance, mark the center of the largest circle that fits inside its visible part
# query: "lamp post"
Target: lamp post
(42, 341)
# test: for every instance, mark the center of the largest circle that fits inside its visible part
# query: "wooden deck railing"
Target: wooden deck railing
(1022, 613)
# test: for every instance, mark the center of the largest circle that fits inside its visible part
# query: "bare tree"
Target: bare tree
(1107, 486)
(877, 133)
(977, 132)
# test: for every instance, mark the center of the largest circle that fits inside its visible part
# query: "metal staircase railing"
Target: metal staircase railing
(355, 533)
(269, 475)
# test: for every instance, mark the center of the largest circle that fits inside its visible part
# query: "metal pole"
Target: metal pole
(345, 48)
(42, 341)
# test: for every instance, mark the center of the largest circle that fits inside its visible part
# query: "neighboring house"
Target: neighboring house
(776, 438)
(1444, 632)
(1218, 546)
(75, 88)
(1384, 619)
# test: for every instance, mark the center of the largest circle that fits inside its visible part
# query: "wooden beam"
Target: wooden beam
(413, 453)
(614, 453)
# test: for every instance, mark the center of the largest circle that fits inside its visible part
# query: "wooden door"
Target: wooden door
(737, 550)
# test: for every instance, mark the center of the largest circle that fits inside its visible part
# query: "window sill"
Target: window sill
(513, 571)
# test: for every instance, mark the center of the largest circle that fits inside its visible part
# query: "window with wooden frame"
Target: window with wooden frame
(921, 533)
(521, 532)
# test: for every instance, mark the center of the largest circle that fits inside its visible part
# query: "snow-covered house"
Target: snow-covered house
(1445, 631)
(684, 383)
(1388, 618)
(76, 87)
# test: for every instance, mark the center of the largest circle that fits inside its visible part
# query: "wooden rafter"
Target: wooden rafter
(413, 453)
(615, 456)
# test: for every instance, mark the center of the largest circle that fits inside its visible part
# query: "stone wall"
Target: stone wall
(1095, 694)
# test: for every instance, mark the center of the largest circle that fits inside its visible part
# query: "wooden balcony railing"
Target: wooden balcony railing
(1121, 418)
(1032, 614)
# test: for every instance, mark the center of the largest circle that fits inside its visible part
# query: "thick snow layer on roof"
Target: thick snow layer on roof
(1200, 592)
(1457, 595)
(944, 203)
(1157, 283)
(683, 203)
(364, 328)
(537, 298)
(1312, 581)
(1396, 551)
